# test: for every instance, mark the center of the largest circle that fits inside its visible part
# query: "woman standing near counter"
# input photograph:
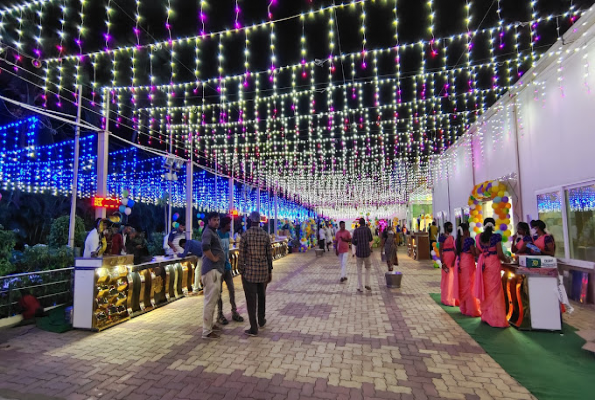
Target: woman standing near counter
(488, 279)
(543, 240)
(447, 257)
(466, 253)
(521, 239)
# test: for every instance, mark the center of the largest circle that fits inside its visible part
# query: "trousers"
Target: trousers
(255, 298)
(343, 258)
(227, 277)
(197, 275)
(368, 264)
(212, 292)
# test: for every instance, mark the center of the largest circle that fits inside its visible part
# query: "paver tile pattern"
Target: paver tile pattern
(323, 340)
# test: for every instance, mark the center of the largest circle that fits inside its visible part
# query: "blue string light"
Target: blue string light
(49, 169)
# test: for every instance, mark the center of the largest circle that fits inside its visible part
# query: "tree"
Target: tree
(59, 232)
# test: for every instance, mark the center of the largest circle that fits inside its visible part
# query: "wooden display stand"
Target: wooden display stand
(418, 246)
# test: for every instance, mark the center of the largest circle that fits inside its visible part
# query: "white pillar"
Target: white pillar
(75, 170)
(102, 157)
(231, 195)
(258, 199)
(276, 221)
(189, 199)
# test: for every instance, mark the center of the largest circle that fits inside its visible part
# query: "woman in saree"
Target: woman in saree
(521, 239)
(543, 240)
(488, 279)
(447, 257)
(465, 272)
(389, 243)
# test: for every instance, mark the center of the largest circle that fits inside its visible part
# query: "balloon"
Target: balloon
(201, 223)
(130, 203)
(501, 193)
(478, 225)
(433, 253)
(175, 225)
(122, 209)
(125, 201)
(175, 216)
(505, 199)
(504, 238)
(198, 215)
(125, 193)
(128, 211)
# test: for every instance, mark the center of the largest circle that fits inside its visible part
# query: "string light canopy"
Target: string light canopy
(334, 105)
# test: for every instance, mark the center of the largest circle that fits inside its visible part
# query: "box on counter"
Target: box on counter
(538, 261)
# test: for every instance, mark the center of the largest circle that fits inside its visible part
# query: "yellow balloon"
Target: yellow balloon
(508, 233)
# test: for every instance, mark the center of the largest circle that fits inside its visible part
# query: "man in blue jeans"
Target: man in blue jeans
(227, 277)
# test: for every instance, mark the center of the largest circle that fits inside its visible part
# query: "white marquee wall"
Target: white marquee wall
(551, 113)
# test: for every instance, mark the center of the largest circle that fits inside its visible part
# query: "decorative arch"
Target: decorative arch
(497, 192)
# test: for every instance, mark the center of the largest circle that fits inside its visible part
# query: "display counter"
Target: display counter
(531, 296)
(111, 290)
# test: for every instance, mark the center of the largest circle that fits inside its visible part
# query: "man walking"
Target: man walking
(227, 277)
(362, 239)
(213, 266)
(342, 239)
(256, 267)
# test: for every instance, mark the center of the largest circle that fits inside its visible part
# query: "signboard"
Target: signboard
(100, 202)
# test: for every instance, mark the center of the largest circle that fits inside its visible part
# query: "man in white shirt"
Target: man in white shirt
(92, 241)
(321, 236)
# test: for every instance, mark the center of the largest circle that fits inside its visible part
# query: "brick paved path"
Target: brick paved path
(323, 340)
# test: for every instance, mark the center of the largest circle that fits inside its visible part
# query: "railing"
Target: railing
(51, 288)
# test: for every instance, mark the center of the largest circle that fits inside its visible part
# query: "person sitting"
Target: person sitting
(29, 306)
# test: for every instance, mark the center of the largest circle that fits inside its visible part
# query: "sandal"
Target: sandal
(390, 269)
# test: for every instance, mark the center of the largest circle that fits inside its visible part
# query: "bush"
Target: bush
(59, 232)
(43, 258)
(155, 244)
(7, 242)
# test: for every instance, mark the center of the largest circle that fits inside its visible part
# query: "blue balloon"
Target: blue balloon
(198, 215)
(130, 203)
(122, 209)
(176, 216)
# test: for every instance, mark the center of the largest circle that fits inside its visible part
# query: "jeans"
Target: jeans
(227, 277)
(212, 292)
(255, 293)
(368, 264)
(343, 258)
(321, 243)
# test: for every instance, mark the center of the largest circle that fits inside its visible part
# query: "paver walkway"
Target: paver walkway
(323, 340)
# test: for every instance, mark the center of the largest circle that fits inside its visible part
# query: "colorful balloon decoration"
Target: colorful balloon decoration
(126, 203)
(436, 255)
(496, 192)
(175, 216)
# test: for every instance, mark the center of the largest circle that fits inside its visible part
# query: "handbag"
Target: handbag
(383, 255)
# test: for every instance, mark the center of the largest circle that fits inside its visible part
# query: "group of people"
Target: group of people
(255, 266)
(108, 238)
(477, 288)
(325, 236)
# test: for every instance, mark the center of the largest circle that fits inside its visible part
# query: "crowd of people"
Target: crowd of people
(109, 238)
(475, 286)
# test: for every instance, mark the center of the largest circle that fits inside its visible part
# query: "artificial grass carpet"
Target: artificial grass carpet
(549, 364)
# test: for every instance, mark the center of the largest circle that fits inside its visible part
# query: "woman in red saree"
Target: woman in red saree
(488, 279)
(543, 240)
(521, 239)
(465, 272)
(447, 257)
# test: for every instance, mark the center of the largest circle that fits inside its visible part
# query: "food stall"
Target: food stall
(531, 295)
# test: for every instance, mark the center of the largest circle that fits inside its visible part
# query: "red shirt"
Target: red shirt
(117, 244)
(341, 245)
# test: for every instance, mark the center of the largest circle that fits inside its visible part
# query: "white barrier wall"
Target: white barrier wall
(549, 116)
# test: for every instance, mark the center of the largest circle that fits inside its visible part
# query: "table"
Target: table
(531, 296)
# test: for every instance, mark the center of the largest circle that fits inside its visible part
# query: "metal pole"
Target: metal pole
(75, 169)
(102, 156)
(275, 222)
